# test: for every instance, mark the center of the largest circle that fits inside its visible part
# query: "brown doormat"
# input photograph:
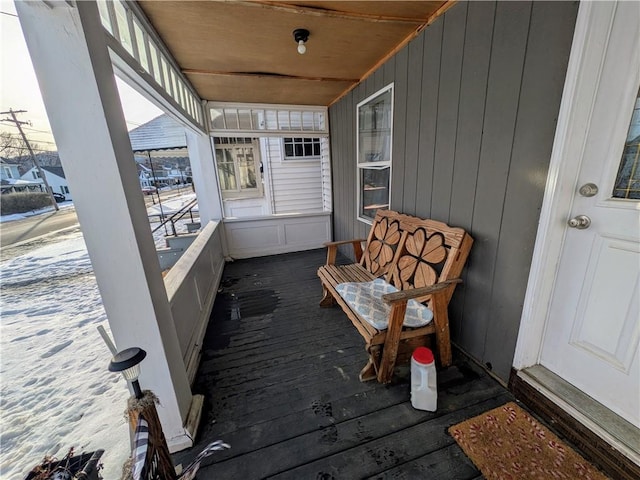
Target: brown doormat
(506, 443)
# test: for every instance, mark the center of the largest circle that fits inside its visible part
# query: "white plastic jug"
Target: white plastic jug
(424, 390)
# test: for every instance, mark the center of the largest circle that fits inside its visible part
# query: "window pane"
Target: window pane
(226, 170)
(217, 118)
(231, 118)
(174, 90)
(155, 63)
(375, 190)
(374, 129)
(628, 180)
(142, 48)
(301, 148)
(123, 27)
(165, 74)
(247, 168)
(288, 150)
(308, 150)
(104, 15)
(244, 119)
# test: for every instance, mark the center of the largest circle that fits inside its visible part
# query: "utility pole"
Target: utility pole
(19, 124)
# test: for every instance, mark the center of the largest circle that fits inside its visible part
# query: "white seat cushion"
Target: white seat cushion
(365, 298)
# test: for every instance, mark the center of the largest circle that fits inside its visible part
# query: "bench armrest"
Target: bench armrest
(344, 242)
(405, 295)
(332, 249)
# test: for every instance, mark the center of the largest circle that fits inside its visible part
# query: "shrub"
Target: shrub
(23, 202)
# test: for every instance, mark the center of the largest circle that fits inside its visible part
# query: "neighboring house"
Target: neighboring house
(144, 175)
(160, 151)
(9, 170)
(12, 183)
(55, 178)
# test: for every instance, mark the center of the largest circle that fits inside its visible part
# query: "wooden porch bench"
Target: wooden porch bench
(420, 261)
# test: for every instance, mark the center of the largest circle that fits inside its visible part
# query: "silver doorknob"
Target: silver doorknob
(580, 222)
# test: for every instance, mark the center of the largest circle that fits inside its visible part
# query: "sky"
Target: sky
(19, 88)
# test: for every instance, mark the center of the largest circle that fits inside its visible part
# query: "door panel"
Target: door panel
(605, 329)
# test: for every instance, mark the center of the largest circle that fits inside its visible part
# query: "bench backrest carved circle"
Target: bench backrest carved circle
(383, 241)
(431, 252)
(421, 261)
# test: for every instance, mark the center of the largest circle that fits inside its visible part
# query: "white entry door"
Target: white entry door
(593, 328)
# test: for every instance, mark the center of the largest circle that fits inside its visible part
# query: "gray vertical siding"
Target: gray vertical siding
(476, 98)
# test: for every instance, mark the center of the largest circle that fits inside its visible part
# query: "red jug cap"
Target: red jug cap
(423, 355)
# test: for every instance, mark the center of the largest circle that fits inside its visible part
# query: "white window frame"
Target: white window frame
(239, 192)
(265, 120)
(301, 158)
(383, 163)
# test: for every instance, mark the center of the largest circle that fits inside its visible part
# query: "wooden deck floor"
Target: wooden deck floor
(280, 379)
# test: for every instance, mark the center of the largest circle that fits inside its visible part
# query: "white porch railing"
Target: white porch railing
(191, 286)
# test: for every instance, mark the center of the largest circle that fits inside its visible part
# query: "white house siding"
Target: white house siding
(297, 185)
(57, 183)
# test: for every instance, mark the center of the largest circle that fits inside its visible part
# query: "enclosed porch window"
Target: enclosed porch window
(271, 159)
(238, 162)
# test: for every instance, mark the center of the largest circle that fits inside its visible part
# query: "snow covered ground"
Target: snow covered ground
(55, 390)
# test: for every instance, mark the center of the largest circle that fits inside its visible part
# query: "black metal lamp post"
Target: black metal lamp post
(128, 362)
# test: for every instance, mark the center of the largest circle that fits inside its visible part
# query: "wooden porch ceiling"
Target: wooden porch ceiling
(244, 51)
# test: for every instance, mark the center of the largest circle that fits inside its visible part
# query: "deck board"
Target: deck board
(280, 380)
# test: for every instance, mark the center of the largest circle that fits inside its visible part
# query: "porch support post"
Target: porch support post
(67, 45)
(204, 176)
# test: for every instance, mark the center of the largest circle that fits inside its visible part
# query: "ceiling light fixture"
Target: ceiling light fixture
(301, 35)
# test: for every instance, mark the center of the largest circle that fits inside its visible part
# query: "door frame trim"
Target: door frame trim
(590, 40)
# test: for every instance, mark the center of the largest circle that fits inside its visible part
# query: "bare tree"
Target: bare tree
(12, 146)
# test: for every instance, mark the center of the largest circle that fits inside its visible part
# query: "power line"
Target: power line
(39, 131)
(29, 128)
(13, 135)
(9, 14)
